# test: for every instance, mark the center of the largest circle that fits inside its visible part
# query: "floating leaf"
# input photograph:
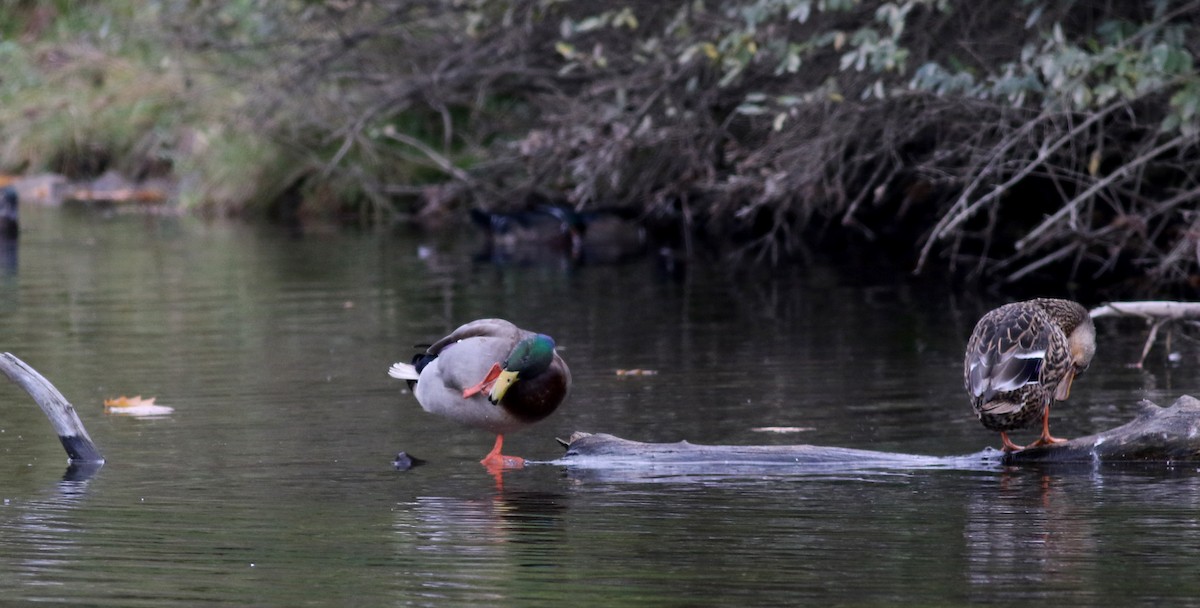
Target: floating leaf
(135, 406)
(124, 401)
(782, 429)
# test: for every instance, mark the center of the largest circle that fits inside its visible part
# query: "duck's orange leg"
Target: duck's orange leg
(496, 460)
(1009, 446)
(1046, 439)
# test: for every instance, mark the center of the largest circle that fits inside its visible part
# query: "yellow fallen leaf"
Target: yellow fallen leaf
(124, 401)
(135, 406)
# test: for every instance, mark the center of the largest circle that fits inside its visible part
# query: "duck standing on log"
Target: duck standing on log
(492, 375)
(1021, 357)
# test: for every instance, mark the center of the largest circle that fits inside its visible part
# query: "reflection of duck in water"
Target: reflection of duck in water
(1021, 357)
(596, 236)
(492, 375)
(1028, 530)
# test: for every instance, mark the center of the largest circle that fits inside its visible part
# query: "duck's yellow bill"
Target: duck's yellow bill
(500, 387)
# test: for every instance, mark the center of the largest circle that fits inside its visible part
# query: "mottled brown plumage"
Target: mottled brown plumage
(1021, 357)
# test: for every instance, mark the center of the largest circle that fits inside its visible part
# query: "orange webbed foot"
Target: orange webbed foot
(495, 461)
(501, 461)
(1046, 440)
(1009, 446)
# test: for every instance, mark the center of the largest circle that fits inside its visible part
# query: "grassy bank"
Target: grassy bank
(94, 87)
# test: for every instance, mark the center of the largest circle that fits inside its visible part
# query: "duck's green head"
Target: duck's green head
(528, 358)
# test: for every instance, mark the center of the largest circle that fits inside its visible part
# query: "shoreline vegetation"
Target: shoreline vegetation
(1011, 143)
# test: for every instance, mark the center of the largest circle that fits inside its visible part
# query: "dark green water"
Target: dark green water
(271, 483)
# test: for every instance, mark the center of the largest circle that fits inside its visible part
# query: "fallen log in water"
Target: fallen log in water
(1156, 435)
(80, 447)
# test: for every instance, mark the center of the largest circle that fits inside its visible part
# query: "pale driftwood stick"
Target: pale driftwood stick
(80, 447)
(1155, 435)
(1160, 309)
(1158, 312)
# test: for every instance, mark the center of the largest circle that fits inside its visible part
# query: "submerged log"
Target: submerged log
(80, 447)
(1156, 435)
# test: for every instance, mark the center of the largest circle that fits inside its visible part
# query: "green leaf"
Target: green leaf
(1170, 123)
(801, 11)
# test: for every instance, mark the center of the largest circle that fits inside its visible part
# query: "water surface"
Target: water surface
(271, 483)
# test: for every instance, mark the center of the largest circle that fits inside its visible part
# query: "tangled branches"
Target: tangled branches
(1003, 142)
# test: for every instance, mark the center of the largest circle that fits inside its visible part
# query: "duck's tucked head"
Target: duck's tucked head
(1082, 341)
(1075, 322)
(528, 358)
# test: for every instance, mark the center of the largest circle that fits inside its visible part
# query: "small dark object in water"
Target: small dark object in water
(404, 462)
(10, 225)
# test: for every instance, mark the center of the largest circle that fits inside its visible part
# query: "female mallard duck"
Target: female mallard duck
(492, 375)
(1021, 357)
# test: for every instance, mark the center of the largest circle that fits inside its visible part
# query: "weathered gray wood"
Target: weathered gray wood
(607, 451)
(1158, 313)
(1158, 309)
(1156, 435)
(80, 447)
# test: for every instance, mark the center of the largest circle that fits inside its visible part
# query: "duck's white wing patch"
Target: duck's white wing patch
(988, 375)
(1020, 369)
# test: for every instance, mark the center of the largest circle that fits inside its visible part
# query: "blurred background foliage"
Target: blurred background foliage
(1004, 140)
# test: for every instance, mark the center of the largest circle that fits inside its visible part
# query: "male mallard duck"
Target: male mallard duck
(492, 375)
(1021, 357)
